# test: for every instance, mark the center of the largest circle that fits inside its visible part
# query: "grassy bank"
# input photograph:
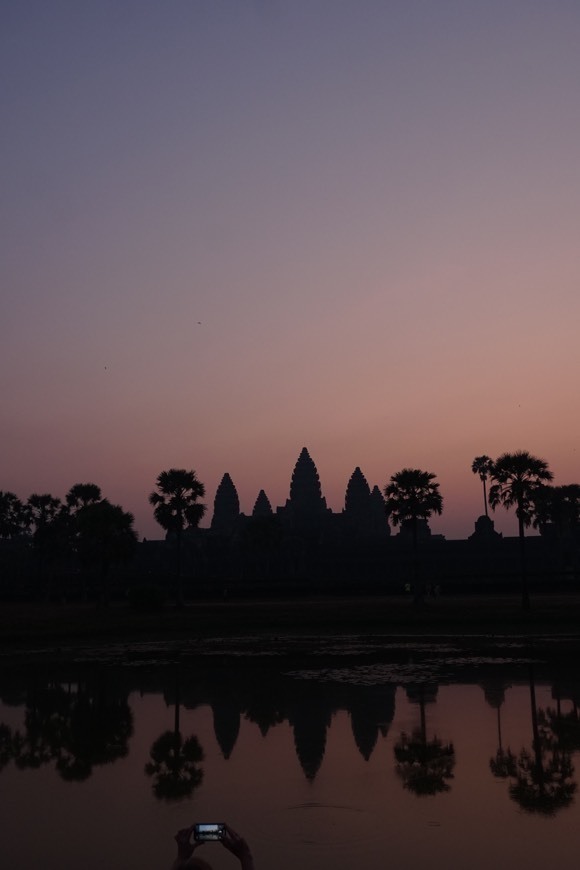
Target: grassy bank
(35, 626)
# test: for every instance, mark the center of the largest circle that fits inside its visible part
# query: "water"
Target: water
(407, 763)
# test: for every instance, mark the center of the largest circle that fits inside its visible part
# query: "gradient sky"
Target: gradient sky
(234, 228)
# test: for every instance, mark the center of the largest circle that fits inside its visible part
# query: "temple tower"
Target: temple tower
(357, 503)
(379, 522)
(306, 506)
(364, 510)
(262, 507)
(226, 507)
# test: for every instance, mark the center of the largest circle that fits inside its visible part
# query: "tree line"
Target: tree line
(102, 534)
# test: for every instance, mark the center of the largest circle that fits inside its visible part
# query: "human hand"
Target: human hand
(185, 848)
(236, 844)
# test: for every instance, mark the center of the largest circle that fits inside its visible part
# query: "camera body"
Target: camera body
(209, 831)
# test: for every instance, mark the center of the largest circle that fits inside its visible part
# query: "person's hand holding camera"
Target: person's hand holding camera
(236, 844)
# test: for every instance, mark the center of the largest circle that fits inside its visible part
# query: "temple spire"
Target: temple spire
(226, 507)
(305, 490)
(306, 505)
(262, 507)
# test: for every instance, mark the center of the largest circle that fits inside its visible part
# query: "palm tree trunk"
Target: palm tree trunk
(485, 500)
(523, 567)
(536, 734)
(418, 596)
(179, 588)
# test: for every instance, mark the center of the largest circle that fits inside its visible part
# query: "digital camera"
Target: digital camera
(209, 831)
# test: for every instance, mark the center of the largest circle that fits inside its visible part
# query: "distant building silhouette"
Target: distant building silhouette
(262, 506)
(364, 511)
(226, 507)
(306, 508)
(484, 530)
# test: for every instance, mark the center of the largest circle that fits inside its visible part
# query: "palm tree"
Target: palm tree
(51, 536)
(517, 477)
(176, 508)
(557, 515)
(105, 537)
(82, 494)
(483, 466)
(412, 495)
(558, 506)
(14, 518)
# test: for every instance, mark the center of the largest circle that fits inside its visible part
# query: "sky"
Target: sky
(234, 228)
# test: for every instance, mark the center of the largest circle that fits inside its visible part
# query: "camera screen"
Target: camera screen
(209, 831)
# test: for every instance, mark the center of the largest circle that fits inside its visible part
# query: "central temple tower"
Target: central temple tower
(306, 507)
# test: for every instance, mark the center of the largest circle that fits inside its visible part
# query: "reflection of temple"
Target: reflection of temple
(267, 699)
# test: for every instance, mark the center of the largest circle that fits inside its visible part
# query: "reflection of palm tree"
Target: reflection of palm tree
(564, 726)
(77, 729)
(503, 764)
(6, 745)
(40, 741)
(98, 730)
(174, 765)
(517, 477)
(543, 778)
(424, 765)
(174, 761)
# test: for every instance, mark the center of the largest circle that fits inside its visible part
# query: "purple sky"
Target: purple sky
(234, 228)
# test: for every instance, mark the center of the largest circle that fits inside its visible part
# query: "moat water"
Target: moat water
(427, 760)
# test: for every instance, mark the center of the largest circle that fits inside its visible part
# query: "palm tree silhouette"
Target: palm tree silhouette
(503, 764)
(6, 745)
(51, 536)
(14, 518)
(425, 766)
(176, 508)
(483, 465)
(517, 477)
(174, 765)
(174, 761)
(77, 728)
(82, 494)
(543, 778)
(105, 537)
(412, 495)
(96, 731)
(557, 511)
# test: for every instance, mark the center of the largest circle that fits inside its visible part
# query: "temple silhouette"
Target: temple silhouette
(303, 545)
(305, 512)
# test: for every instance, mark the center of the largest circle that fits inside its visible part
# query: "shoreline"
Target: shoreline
(356, 627)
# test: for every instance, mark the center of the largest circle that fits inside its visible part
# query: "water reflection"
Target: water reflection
(78, 725)
(425, 766)
(542, 780)
(174, 760)
(503, 764)
(365, 742)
